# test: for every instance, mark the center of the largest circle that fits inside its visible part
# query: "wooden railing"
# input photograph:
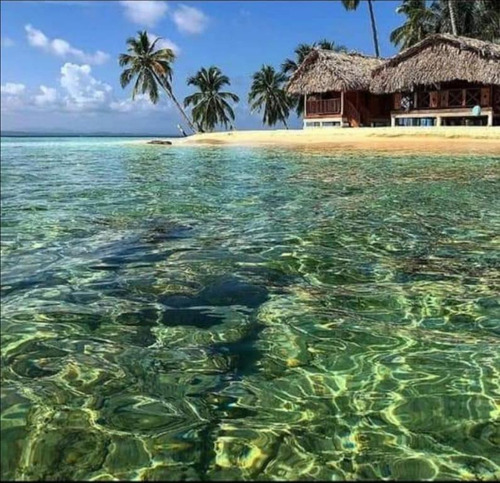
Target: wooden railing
(452, 98)
(323, 106)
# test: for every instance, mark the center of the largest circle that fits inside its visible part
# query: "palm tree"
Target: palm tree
(353, 5)
(473, 18)
(150, 68)
(267, 93)
(453, 16)
(210, 105)
(420, 22)
(487, 20)
(289, 66)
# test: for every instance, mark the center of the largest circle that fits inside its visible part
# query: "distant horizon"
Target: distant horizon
(55, 133)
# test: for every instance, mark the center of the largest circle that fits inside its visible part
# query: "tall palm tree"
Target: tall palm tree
(289, 66)
(210, 105)
(353, 5)
(473, 18)
(487, 20)
(267, 94)
(420, 22)
(151, 68)
(453, 16)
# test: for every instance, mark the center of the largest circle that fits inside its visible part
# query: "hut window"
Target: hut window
(424, 99)
(455, 97)
(472, 97)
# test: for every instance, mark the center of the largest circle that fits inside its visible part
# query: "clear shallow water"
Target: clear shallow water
(207, 313)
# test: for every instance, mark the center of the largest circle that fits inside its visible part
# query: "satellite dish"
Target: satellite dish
(476, 111)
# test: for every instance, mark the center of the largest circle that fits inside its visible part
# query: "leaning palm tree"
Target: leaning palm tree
(151, 68)
(353, 5)
(267, 94)
(289, 66)
(210, 105)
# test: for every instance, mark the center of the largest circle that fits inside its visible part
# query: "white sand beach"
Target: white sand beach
(415, 139)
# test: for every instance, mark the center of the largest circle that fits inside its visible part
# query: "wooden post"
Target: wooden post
(490, 118)
(341, 103)
(305, 105)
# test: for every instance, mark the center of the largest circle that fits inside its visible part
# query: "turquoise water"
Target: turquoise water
(217, 313)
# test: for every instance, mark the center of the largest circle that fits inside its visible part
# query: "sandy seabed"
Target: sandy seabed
(414, 139)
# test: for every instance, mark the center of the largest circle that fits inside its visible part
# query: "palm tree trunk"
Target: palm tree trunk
(374, 28)
(286, 125)
(453, 17)
(181, 110)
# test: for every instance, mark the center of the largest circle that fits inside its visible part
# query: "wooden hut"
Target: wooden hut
(335, 87)
(442, 80)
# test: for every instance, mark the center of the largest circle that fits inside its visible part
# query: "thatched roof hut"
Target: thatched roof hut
(439, 58)
(326, 70)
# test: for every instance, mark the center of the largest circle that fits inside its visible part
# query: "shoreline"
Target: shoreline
(414, 139)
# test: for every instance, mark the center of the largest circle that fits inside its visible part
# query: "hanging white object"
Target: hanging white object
(476, 111)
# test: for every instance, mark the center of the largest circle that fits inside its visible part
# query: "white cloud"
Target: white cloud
(165, 43)
(62, 48)
(6, 42)
(190, 20)
(48, 96)
(83, 91)
(140, 103)
(12, 96)
(144, 12)
(13, 89)
(79, 92)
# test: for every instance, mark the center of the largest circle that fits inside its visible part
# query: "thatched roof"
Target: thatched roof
(326, 70)
(439, 58)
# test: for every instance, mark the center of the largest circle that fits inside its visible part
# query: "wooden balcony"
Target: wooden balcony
(449, 99)
(324, 107)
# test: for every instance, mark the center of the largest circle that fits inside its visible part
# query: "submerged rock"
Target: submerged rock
(194, 310)
(166, 231)
(195, 317)
(233, 291)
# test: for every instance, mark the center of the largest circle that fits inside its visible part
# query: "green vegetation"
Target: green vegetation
(210, 105)
(479, 19)
(151, 69)
(267, 94)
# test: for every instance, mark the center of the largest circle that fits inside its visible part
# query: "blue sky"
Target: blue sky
(59, 67)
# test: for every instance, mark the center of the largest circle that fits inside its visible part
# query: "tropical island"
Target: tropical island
(446, 77)
(283, 304)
